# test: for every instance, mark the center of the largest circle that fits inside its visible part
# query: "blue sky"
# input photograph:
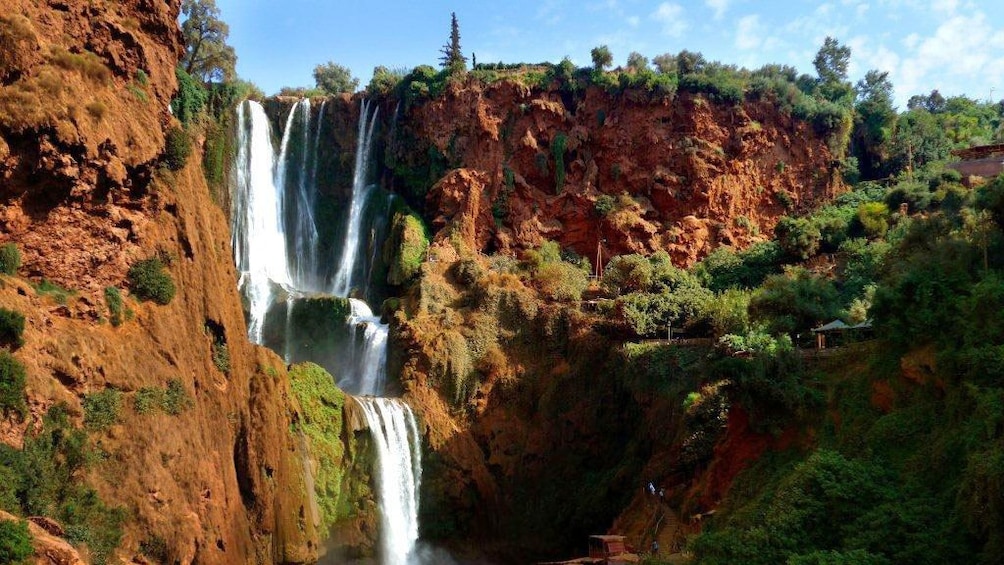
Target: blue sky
(956, 46)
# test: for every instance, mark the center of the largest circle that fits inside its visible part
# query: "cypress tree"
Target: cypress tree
(453, 59)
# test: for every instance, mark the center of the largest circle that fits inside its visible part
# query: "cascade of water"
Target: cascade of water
(369, 363)
(258, 235)
(395, 434)
(343, 281)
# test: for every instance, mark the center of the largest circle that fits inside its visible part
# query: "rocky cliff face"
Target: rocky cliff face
(84, 91)
(684, 174)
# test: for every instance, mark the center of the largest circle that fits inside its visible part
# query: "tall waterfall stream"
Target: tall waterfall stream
(280, 256)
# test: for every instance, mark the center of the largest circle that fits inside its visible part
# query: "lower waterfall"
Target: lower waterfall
(395, 435)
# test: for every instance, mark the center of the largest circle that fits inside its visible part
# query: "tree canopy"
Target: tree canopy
(602, 57)
(333, 78)
(207, 55)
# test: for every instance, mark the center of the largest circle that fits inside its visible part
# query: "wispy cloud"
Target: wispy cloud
(719, 7)
(670, 16)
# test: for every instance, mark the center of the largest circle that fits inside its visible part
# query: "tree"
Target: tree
(207, 55)
(831, 61)
(798, 237)
(873, 123)
(933, 102)
(637, 62)
(602, 57)
(831, 64)
(665, 63)
(688, 62)
(334, 78)
(453, 59)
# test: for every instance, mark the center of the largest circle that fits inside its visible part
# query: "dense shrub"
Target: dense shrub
(177, 148)
(191, 98)
(627, 273)
(794, 302)
(47, 479)
(11, 327)
(10, 259)
(15, 541)
(873, 217)
(798, 237)
(176, 399)
(723, 268)
(12, 381)
(149, 280)
(102, 409)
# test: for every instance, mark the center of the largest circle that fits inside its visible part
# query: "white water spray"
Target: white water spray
(259, 240)
(399, 476)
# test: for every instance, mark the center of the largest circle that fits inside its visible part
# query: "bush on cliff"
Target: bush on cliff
(11, 327)
(48, 481)
(177, 148)
(149, 280)
(15, 541)
(12, 380)
(10, 259)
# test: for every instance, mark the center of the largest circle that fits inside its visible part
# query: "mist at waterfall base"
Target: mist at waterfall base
(292, 265)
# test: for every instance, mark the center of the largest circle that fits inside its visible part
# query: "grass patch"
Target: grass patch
(148, 399)
(116, 306)
(86, 63)
(15, 541)
(48, 288)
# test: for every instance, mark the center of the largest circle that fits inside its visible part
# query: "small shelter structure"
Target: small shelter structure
(838, 332)
(980, 161)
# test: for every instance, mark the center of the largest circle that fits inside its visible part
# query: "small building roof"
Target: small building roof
(834, 325)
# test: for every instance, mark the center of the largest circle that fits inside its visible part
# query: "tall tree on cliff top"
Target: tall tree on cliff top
(831, 64)
(207, 54)
(453, 59)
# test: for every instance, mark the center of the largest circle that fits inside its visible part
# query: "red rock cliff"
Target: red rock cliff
(84, 92)
(529, 165)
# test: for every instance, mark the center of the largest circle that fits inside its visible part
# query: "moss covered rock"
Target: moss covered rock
(407, 247)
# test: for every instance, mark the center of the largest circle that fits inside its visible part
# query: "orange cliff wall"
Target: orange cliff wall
(82, 197)
(702, 174)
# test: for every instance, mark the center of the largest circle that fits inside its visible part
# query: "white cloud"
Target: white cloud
(945, 6)
(671, 17)
(749, 33)
(633, 21)
(718, 6)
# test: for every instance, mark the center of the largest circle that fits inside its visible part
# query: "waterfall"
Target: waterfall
(399, 477)
(259, 240)
(276, 248)
(344, 280)
(369, 364)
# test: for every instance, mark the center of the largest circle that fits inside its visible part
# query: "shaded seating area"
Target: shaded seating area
(838, 332)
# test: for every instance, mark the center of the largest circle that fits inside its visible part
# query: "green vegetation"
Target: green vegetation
(172, 400)
(558, 152)
(320, 423)
(177, 148)
(221, 356)
(332, 78)
(10, 259)
(46, 287)
(102, 409)
(12, 382)
(556, 278)
(11, 327)
(149, 280)
(46, 479)
(408, 244)
(15, 541)
(207, 55)
(453, 59)
(176, 399)
(116, 307)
